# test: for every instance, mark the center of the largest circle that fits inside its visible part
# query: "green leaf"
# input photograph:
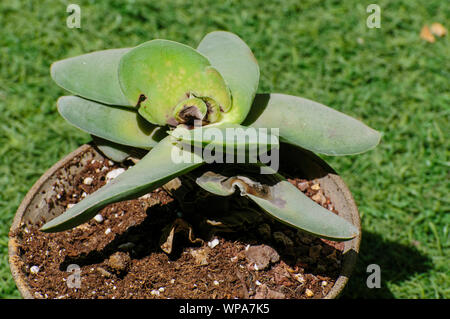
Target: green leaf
(93, 76)
(160, 74)
(283, 201)
(152, 171)
(116, 152)
(116, 124)
(311, 125)
(227, 135)
(236, 63)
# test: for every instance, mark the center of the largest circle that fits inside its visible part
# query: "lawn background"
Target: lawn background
(322, 50)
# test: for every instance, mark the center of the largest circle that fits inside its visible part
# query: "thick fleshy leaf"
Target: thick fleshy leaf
(283, 201)
(311, 125)
(117, 152)
(227, 135)
(152, 171)
(93, 76)
(231, 56)
(116, 124)
(159, 75)
(113, 151)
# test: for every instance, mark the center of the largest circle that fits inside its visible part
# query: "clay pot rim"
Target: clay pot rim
(348, 263)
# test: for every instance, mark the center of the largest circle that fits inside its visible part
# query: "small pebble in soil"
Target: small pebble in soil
(155, 292)
(107, 231)
(119, 262)
(303, 186)
(88, 181)
(315, 187)
(200, 256)
(261, 256)
(309, 293)
(319, 198)
(213, 243)
(114, 173)
(98, 218)
(38, 295)
(299, 278)
(34, 269)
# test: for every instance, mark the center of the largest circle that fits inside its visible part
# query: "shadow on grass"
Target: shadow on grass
(397, 262)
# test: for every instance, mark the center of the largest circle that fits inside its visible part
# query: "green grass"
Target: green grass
(322, 50)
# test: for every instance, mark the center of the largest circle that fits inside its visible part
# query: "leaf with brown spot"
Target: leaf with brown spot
(283, 201)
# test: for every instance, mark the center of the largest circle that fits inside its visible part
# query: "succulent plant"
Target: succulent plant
(162, 95)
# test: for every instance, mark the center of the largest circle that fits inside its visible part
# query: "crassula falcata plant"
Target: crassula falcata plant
(160, 94)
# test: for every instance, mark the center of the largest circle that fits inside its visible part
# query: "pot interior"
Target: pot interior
(35, 210)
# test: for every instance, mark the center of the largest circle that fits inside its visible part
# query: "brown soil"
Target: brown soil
(121, 256)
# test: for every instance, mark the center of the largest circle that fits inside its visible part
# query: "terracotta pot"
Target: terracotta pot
(34, 207)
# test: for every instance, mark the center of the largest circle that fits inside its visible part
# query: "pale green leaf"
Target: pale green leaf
(116, 152)
(159, 74)
(154, 170)
(283, 201)
(116, 124)
(223, 136)
(311, 125)
(93, 76)
(234, 60)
